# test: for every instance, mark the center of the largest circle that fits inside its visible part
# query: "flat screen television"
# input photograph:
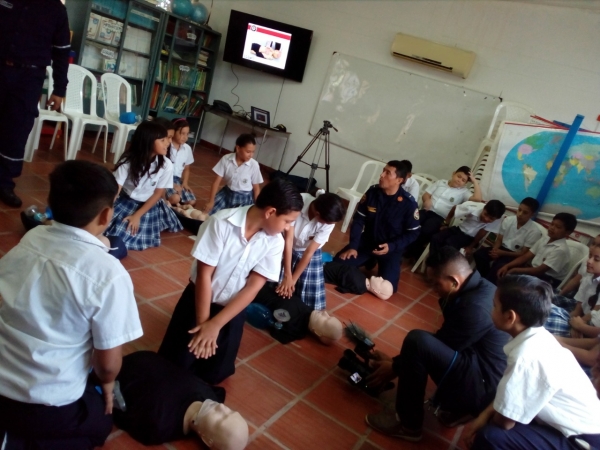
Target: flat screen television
(267, 45)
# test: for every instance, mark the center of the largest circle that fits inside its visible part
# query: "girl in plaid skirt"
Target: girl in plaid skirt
(143, 173)
(302, 270)
(242, 175)
(181, 155)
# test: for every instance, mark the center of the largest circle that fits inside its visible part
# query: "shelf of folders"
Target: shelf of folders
(181, 75)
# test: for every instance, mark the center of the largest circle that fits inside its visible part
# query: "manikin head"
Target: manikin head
(219, 427)
(328, 329)
(379, 287)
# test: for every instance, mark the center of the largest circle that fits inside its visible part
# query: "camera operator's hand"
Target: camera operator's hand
(383, 373)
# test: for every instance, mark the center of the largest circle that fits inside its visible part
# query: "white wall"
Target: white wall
(547, 57)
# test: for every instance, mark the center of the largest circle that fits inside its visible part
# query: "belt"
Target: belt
(19, 65)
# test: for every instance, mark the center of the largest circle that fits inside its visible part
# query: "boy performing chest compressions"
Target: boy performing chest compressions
(237, 251)
(67, 306)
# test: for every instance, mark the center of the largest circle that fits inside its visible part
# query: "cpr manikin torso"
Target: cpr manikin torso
(379, 287)
(189, 211)
(218, 426)
(328, 329)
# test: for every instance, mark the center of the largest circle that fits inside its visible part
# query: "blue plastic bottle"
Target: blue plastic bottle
(259, 316)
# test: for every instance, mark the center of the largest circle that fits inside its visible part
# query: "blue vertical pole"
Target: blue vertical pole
(562, 153)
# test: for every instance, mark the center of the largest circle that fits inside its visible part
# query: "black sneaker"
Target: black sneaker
(387, 423)
(451, 419)
(8, 197)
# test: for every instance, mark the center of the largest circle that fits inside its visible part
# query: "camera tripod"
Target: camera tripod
(323, 131)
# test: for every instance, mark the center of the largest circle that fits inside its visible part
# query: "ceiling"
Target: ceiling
(581, 4)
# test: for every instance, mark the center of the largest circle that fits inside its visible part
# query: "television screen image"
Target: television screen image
(267, 46)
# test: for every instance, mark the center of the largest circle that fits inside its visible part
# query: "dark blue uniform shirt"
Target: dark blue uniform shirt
(386, 219)
(33, 33)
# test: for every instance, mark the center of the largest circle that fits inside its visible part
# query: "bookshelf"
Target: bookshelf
(168, 60)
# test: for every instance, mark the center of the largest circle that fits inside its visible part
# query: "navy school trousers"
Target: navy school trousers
(174, 346)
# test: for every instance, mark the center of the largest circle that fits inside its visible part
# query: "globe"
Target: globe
(199, 13)
(576, 187)
(182, 8)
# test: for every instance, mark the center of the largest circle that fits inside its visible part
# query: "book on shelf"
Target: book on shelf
(138, 40)
(154, 98)
(118, 33)
(108, 29)
(200, 81)
(195, 106)
(174, 103)
(93, 26)
(207, 40)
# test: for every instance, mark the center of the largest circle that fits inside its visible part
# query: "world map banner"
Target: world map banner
(524, 157)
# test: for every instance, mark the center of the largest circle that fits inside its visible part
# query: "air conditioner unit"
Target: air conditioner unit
(432, 54)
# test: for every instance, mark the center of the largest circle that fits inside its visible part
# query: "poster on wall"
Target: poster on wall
(525, 155)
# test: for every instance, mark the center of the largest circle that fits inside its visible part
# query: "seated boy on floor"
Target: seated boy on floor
(236, 251)
(517, 235)
(542, 380)
(67, 306)
(480, 219)
(549, 258)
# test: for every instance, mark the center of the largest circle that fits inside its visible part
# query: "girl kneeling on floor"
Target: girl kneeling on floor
(143, 173)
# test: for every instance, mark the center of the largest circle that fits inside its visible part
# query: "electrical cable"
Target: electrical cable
(279, 98)
(237, 102)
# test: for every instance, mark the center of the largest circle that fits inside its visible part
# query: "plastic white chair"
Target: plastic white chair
(33, 142)
(579, 253)
(355, 193)
(111, 87)
(509, 111)
(73, 108)
(424, 181)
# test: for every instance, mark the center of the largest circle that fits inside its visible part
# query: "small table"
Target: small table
(230, 118)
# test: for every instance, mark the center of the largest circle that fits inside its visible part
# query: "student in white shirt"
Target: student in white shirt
(480, 219)
(237, 251)
(544, 400)
(517, 235)
(584, 320)
(568, 291)
(549, 257)
(67, 307)
(302, 270)
(182, 156)
(410, 184)
(438, 200)
(241, 174)
(143, 173)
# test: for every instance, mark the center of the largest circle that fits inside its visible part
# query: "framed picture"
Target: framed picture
(260, 116)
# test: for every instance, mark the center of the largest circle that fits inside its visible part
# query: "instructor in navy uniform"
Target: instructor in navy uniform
(385, 222)
(32, 33)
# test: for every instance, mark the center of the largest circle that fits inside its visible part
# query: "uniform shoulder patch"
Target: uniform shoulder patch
(363, 198)
(416, 214)
(400, 199)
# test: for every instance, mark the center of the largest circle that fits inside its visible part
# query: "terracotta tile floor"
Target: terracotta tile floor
(303, 399)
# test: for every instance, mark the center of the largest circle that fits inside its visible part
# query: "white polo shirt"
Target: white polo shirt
(412, 187)
(238, 178)
(221, 244)
(181, 158)
(587, 288)
(306, 230)
(444, 197)
(63, 295)
(514, 238)
(472, 223)
(148, 183)
(555, 255)
(543, 381)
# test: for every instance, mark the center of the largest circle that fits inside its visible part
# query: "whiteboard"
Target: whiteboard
(384, 113)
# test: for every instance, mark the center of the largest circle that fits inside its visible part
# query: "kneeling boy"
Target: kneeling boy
(67, 306)
(542, 380)
(237, 250)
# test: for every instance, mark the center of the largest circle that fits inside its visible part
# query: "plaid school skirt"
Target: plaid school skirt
(186, 196)
(160, 217)
(311, 284)
(558, 322)
(226, 198)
